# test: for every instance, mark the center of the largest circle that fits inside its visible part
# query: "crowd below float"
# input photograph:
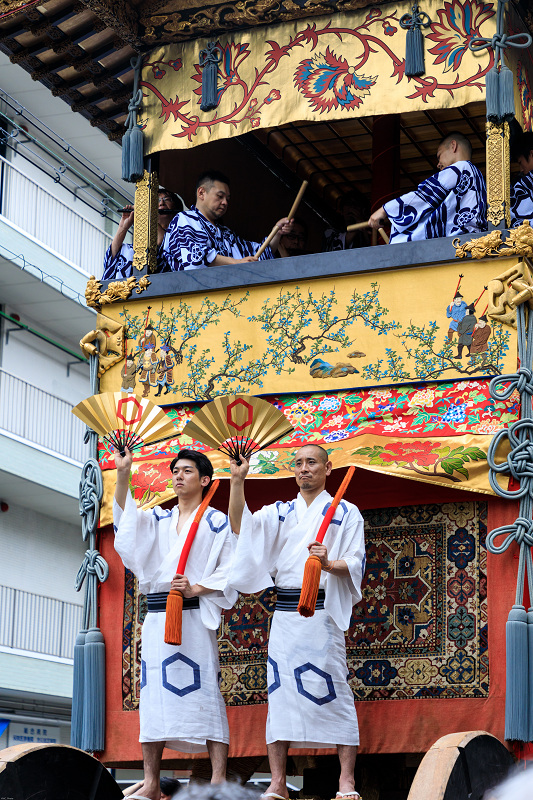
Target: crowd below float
(451, 202)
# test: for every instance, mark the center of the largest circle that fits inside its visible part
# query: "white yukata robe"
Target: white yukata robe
(449, 203)
(522, 200)
(310, 703)
(180, 701)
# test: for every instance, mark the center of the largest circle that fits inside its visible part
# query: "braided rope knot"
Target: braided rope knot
(93, 564)
(502, 387)
(519, 461)
(520, 531)
(90, 496)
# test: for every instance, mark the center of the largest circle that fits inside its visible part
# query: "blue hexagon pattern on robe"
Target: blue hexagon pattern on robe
(276, 683)
(143, 674)
(320, 701)
(190, 687)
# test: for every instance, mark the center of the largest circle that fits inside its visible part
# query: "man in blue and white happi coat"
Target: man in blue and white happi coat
(118, 260)
(449, 203)
(181, 706)
(310, 703)
(196, 239)
(522, 191)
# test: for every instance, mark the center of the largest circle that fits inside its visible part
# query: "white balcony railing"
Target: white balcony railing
(40, 417)
(38, 624)
(52, 222)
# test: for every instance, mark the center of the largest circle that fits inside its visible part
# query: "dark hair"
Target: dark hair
(177, 202)
(203, 465)
(461, 140)
(208, 178)
(169, 785)
(523, 145)
(472, 308)
(354, 198)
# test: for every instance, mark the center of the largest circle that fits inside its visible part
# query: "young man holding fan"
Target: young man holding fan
(310, 704)
(180, 702)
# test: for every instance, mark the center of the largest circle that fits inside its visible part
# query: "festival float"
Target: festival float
(354, 347)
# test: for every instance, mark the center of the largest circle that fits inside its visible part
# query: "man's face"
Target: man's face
(213, 202)
(165, 202)
(352, 214)
(310, 470)
(295, 241)
(186, 480)
(457, 301)
(481, 323)
(446, 154)
(526, 164)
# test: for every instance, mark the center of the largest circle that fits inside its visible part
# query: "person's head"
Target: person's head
(482, 321)
(217, 791)
(311, 467)
(192, 472)
(471, 308)
(212, 194)
(148, 331)
(169, 203)
(169, 787)
(354, 208)
(523, 152)
(295, 242)
(454, 147)
(458, 299)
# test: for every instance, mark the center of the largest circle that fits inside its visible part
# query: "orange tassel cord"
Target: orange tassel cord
(174, 607)
(313, 565)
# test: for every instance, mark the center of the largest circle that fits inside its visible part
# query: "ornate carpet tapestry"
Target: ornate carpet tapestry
(420, 630)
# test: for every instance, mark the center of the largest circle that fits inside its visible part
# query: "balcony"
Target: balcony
(50, 221)
(37, 624)
(40, 418)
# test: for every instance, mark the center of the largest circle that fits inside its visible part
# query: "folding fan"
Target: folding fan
(238, 424)
(125, 420)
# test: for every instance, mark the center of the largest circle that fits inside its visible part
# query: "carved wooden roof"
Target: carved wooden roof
(81, 49)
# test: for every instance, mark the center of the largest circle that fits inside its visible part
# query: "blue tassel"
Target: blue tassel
(530, 670)
(209, 86)
(506, 94)
(93, 733)
(77, 691)
(492, 84)
(126, 156)
(414, 53)
(517, 682)
(136, 154)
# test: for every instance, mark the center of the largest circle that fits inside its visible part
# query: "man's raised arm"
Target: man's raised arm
(237, 500)
(123, 465)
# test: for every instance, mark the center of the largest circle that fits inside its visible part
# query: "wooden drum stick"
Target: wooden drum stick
(359, 226)
(291, 214)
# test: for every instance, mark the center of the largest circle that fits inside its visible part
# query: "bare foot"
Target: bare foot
(152, 792)
(279, 789)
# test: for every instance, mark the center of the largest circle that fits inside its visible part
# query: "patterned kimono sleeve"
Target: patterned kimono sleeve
(137, 539)
(343, 592)
(119, 266)
(522, 200)
(240, 248)
(187, 243)
(409, 213)
(257, 549)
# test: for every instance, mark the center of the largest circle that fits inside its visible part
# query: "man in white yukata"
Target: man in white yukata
(449, 203)
(196, 239)
(181, 706)
(522, 191)
(310, 703)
